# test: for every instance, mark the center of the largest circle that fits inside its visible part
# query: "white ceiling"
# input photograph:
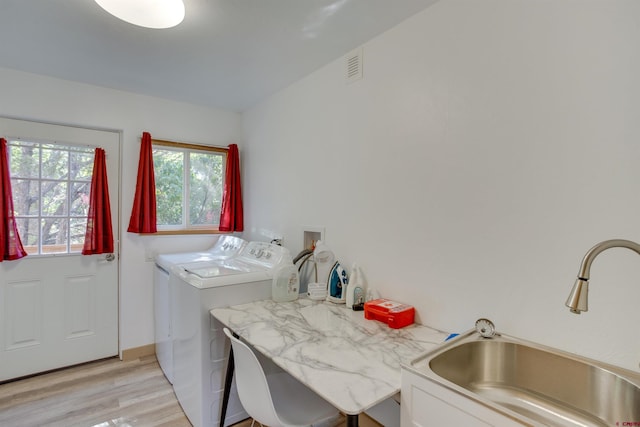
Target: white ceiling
(226, 53)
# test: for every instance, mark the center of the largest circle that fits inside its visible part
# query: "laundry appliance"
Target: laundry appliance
(226, 247)
(200, 348)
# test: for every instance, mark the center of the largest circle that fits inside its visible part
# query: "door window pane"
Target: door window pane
(53, 197)
(54, 235)
(26, 197)
(81, 165)
(80, 192)
(29, 230)
(78, 227)
(24, 160)
(55, 163)
(51, 185)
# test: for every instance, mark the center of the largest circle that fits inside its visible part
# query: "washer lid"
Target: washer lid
(208, 270)
(167, 261)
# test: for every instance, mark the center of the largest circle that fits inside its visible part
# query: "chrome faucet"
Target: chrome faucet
(577, 301)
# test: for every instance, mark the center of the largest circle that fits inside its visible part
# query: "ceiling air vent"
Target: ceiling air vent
(354, 65)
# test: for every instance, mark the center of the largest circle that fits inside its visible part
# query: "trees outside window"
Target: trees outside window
(51, 183)
(189, 182)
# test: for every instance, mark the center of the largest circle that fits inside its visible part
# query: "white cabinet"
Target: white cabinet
(425, 403)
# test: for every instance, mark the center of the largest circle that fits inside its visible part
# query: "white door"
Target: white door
(58, 307)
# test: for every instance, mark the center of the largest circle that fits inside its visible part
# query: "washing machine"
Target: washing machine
(200, 348)
(226, 247)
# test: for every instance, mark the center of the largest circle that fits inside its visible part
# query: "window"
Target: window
(189, 183)
(51, 185)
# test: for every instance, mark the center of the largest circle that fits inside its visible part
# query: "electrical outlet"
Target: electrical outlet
(149, 255)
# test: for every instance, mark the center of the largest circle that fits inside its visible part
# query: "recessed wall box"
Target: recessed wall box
(311, 235)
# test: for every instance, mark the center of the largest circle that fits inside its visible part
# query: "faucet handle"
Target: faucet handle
(485, 328)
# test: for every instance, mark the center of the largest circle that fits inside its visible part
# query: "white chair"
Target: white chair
(276, 399)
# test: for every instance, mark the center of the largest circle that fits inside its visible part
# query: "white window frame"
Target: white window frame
(51, 145)
(185, 227)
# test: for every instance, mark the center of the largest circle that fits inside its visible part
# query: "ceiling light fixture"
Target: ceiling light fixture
(146, 13)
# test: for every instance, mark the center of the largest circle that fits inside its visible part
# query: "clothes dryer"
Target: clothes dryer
(200, 349)
(226, 247)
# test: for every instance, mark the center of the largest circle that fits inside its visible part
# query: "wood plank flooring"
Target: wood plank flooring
(105, 393)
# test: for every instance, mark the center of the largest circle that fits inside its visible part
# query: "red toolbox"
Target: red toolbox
(394, 314)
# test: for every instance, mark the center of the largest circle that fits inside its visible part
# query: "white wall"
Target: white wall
(489, 145)
(40, 98)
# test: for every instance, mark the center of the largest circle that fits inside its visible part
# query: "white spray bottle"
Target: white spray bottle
(355, 287)
(324, 261)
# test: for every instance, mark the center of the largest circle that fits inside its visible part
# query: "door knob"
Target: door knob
(110, 257)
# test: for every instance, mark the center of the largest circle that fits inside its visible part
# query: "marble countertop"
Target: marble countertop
(351, 362)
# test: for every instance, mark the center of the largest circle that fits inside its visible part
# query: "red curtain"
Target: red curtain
(143, 214)
(10, 244)
(231, 215)
(98, 238)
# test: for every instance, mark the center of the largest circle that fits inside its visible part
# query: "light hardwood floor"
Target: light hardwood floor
(105, 393)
